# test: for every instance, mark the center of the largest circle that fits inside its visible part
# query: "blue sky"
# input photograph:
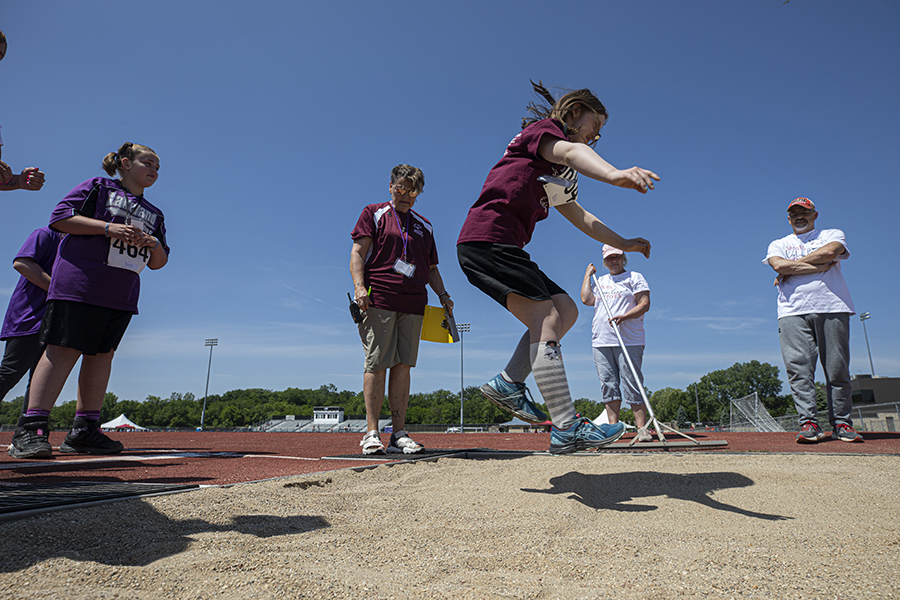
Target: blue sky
(276, 122)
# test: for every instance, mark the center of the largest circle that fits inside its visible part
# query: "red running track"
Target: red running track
(212, 458)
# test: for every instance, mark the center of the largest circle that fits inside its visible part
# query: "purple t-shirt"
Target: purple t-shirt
(81, 272)
(512, 200)
(28, 301)
(391, 290)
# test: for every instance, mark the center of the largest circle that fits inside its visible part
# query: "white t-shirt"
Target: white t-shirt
(618, 291)
(818, 292)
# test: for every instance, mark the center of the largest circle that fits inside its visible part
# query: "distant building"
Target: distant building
(327, 415)
(876, 402)
(875, 390)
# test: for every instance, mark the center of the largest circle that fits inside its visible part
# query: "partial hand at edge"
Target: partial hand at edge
(634, 178)
(637, 245)
(31, 179)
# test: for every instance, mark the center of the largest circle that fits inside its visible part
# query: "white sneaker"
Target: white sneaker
(643, 436)
(371, 443)
(401, 442)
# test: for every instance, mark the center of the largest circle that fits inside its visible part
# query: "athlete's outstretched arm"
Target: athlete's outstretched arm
(590, 164)
(597, 230)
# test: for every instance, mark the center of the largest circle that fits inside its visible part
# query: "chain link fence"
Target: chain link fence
(870, 417)
(749, 414)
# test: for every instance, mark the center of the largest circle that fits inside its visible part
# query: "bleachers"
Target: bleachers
(309, 426)
(285, 426)
(352, 425)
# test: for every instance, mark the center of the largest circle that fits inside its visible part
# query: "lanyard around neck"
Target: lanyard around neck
(136, 203)
(404, 235)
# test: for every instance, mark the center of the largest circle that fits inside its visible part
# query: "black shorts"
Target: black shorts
(498, 269)
(84, 327)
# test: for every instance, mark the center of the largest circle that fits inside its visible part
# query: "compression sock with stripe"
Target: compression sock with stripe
(550, 376)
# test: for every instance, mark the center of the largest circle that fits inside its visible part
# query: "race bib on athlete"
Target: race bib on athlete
(125, 256)
(559, 190)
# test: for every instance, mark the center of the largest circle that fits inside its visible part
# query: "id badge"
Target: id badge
(404, 268)
(128, 257)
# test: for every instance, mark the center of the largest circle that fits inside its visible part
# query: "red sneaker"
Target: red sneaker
(845, 433)
(810, 433)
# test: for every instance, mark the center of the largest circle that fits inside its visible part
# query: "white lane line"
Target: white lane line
(287, 457)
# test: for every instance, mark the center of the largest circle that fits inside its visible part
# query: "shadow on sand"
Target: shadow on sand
(612, 491)
(145, 536)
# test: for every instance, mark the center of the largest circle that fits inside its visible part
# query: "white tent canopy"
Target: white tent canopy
(122, 422)
(515, 422)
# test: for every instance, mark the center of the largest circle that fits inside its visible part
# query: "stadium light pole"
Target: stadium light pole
(461, 328)
(863, 318)
(211, 343)
(697, 400)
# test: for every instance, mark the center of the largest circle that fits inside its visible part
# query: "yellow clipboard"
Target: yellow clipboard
(437, 326)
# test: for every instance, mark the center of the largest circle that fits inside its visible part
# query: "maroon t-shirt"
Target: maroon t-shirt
(512, 200)
(387, 228)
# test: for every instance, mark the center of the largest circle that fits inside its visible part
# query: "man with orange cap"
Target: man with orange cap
(814, 309)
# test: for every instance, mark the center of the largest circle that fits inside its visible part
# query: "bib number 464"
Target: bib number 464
(126, 256)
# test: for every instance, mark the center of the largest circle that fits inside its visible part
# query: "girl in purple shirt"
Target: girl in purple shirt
(113, 233)
(538, 171)
(22, 324)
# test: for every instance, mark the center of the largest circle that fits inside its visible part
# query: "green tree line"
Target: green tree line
(711, 395)
(242, 408)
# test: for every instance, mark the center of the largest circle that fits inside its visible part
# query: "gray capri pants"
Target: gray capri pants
(616, 379)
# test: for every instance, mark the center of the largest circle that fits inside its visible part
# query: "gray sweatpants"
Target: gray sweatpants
(804, 338)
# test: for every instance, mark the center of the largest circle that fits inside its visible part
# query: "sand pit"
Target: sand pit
(603, 526)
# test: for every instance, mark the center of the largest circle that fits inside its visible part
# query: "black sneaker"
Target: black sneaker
(90, 441)
(31, 440)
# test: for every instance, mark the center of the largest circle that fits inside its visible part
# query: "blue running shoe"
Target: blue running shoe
(511, 397)
(583, 435)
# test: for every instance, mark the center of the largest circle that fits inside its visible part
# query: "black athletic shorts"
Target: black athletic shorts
(84, 327)
(498, 269)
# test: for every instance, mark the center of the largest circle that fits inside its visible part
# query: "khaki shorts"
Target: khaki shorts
(389, 338)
